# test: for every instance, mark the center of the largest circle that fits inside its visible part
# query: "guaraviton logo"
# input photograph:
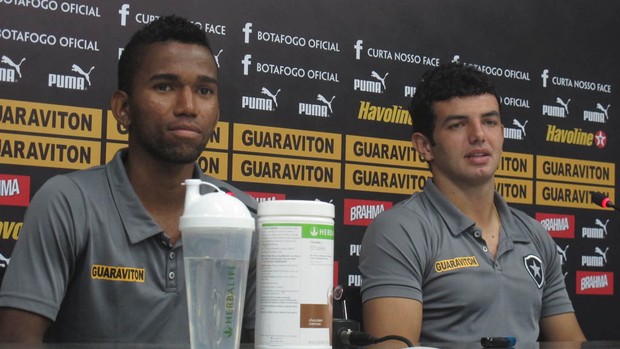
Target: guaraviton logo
(456, 263)
(115, 273)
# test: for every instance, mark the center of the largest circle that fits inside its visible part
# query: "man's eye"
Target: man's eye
(162, 87)
(205, 91)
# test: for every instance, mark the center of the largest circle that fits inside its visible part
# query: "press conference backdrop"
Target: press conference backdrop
(314, 98)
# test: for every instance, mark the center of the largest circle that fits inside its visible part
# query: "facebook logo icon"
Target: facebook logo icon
(124, 12)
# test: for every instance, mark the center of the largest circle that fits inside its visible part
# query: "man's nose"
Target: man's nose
(185, 104)
(476, 132)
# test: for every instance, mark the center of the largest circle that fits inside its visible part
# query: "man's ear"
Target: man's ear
(422, 144)
(120, 107)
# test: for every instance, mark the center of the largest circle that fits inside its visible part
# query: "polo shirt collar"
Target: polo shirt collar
(458, 223)
(138, 223)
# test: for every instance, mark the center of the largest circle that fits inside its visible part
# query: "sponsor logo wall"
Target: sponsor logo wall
(314, 106)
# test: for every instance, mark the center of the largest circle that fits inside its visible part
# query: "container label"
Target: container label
(295, 283)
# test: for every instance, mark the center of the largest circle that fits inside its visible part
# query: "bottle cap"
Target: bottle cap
(213, 210)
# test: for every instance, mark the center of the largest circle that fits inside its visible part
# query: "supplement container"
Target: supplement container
(294, 274)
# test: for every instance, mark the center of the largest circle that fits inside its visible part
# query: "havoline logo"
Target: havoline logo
(362, 212)
(576, 136)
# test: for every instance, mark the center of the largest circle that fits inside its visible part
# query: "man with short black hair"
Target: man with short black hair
(99, 258)
(454, 262)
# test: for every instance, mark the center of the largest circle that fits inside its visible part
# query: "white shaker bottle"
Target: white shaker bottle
(216, 229)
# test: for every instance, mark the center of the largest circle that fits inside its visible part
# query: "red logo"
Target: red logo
(362, 212)
(595, 283)
(558, 225)
(600, 139)
(260, 197)
(14, 190)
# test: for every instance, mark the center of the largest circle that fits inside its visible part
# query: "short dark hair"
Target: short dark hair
(166, 28)
(441, 84)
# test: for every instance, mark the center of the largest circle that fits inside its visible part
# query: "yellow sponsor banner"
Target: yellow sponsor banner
(285, 141)
(382, 151)
(286, 171)
(117, 132)
(49, 151)
(9, 230)
(575, 171)
(516, 165)
(212, 163)
(384, 179)
(569, 195)
(111, 148)
(516, 191)
(114, 130)
(53, 119)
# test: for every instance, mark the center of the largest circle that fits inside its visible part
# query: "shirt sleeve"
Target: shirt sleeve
(44, 256)
(393, 255)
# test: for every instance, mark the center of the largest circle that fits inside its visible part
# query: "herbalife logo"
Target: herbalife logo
(8, 74)
(595, 233)
(314, 231)
(322, 110)
(69, 81)
(370, 85)
(259, 103)
(556, 111)
(517, 133)
(595, 261)
(600, 116)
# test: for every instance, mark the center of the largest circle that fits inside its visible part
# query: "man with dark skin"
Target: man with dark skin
(123, 215)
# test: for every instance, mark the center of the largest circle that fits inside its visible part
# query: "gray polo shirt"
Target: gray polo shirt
(425, 249)
(92, 259)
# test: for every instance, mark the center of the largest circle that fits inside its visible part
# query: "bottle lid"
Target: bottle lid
(213, 210)
(296, 208)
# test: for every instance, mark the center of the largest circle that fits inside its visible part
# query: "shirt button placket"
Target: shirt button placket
(171, 270)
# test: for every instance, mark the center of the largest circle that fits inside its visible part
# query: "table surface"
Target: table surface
(541, 345)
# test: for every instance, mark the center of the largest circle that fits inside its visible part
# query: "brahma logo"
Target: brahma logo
(558, 225)
(14, 190)
(362, 212)
(261, 197)
(595, 283)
